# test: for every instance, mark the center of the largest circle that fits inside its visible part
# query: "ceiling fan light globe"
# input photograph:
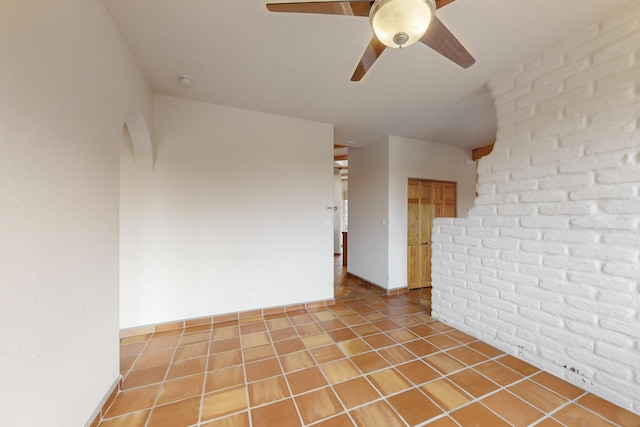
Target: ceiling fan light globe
(400, 23)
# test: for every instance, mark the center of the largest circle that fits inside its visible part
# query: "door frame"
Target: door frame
(454, 213)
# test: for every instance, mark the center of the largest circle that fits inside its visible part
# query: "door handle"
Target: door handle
(426, 242)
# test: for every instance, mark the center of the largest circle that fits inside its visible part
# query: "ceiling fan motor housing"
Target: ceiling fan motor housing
(399, 23)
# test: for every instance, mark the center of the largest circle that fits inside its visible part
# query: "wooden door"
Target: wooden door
(426, 200)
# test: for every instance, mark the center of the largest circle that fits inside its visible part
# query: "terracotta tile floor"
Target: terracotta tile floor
(369, 360)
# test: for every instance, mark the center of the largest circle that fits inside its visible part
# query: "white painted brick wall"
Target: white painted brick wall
(547, 266)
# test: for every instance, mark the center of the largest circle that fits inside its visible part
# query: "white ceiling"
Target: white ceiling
(300, 65)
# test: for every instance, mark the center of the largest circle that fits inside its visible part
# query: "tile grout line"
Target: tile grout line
(391, 312)
(120, 388)
(504, 388)
(124, 376)
(324, 375)
(575, 402)
(166, 374)
(375, 350)
(347, 357)
(441, 351)
(594, 412)
(299, 411)
(365, 376)
(284, 375)
(244, 372)
(393, 365)
(204, 379)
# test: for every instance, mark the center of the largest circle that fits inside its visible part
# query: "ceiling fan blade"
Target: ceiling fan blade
(443, 3)
(373, 51)
(349, 8)
(439, 38)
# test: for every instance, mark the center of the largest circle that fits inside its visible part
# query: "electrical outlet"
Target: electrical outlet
(253, 298)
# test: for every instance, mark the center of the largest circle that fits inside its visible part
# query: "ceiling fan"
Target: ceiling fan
(395, 23)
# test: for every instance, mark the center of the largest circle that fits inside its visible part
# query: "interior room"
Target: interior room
(225, 213)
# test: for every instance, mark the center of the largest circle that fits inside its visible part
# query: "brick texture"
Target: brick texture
(547, 266)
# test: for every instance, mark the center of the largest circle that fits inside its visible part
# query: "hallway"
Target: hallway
(353, 288)
(369, 360)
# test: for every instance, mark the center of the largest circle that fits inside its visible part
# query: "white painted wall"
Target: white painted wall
(344, 197)
(67, 84)
(410, 158)
(235, 205)
(368, 207)
(337, 214)
(547, 267)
